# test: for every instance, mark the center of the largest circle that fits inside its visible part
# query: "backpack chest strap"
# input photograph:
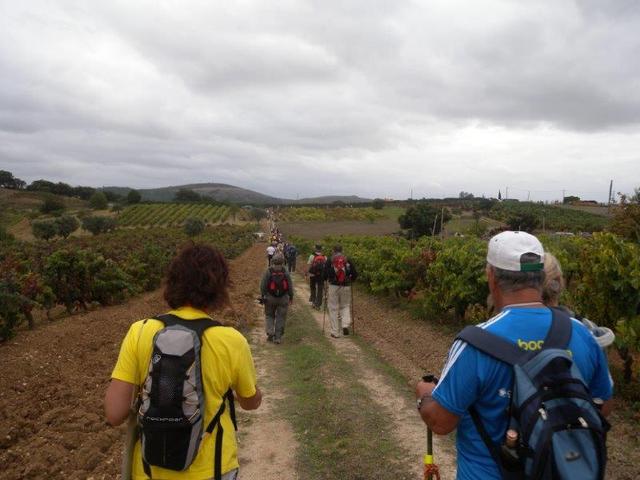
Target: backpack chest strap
(198, 325)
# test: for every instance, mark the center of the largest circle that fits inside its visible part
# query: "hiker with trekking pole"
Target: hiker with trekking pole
(178, 377)
(315, 274)
(528, 390)
(276, 289)
(339, 273)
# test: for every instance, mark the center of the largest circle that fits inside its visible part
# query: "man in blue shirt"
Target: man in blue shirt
(473, 378)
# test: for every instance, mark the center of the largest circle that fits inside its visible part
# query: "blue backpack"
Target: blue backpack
(561, 433)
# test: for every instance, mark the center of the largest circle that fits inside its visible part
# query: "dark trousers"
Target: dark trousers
(291, 264)
(316, 285)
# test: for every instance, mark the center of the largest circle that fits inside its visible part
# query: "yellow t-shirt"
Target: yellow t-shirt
(226, 362)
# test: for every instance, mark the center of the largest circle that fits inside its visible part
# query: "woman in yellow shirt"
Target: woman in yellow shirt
(196, 284)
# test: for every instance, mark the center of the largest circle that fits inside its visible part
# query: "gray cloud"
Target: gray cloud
(368, 97)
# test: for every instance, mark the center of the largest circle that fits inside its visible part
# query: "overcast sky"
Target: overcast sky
(366, 97)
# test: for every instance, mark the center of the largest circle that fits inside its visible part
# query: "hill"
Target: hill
(222, 192)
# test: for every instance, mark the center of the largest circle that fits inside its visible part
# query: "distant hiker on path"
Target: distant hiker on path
(271, 250)
(188, 368)
(276, 289)
(315, 273)
(291, 255)
(340, 273)
(543, 418)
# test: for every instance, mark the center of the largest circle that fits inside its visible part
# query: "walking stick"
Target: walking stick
(353, 318)
(431, 470)
(324, 310)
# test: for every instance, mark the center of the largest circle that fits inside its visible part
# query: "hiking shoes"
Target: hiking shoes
(269, 338)
(345, 331)
(277, 341)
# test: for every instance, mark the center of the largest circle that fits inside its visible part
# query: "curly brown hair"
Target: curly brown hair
(198, 276)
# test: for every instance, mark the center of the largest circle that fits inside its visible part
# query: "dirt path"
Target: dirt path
(398, 406)
(262, 458)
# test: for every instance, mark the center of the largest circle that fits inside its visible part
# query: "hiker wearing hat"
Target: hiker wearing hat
(276, 289)
(340, 273)
(526, 390)
(315, 271)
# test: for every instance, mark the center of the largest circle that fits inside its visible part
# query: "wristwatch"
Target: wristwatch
(422, 399)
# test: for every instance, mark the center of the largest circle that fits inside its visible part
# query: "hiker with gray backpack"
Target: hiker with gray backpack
(528, 390)
(276, 290)
(178, 377)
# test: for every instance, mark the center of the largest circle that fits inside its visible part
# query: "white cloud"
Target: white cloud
(366, 97)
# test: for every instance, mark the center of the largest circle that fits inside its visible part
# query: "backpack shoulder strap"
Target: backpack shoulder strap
(198, 325)
(492, 344)
(559, 334)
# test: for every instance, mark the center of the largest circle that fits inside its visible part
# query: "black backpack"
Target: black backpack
(561, 433)
(171, 409)
(278, 285)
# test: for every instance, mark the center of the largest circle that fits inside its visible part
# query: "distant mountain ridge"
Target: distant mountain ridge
(223, 192)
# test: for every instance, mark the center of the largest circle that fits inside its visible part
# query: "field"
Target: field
(319, 230)
(551, 217)
(336, 214)
(411, 298)
(162, 214)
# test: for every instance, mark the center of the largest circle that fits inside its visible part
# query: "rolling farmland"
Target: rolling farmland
(163, 214)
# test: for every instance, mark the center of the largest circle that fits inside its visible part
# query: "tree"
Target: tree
(423, 219)
(257, 214)
(465, 195)
(66, 225)
(98, 225)
(7, 180)
(524, 221)
(133, 197)
(187, 195)
(626, 219)
(52, 204)
(98, 201)
(193, 227)
(570, 199)
(44, 230)
(378, 204)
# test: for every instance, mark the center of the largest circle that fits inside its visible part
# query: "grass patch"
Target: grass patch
(337, 425)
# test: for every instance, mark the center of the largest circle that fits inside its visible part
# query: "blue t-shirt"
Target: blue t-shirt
(471, 377)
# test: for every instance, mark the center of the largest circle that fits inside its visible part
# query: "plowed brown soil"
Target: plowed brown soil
(53, 379)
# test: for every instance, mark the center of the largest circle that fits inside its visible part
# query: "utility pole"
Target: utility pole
(411, 195)
(528, 195)
(433, 230)
(506, 196)
(610, 196)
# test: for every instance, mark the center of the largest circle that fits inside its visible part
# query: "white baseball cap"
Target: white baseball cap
(506, 251)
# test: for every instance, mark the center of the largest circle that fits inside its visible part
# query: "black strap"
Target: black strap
(488, 441)
(216, 421)
(559, 334)
(492, 344)
(198, 325)
(146, 467)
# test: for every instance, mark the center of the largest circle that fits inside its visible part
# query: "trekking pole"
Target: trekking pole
(353, 318)
(431, 470)
(324, 310)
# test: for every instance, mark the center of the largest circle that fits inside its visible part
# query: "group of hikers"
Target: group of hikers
(527, 391)
(336, 271)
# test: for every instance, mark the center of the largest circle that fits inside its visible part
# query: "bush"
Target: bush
(193, 227)
(52, 204)
(98, 201)
(44, 230)
(98, 225)
(423, 219)
(133, 197)
(378, 204)
(66, 225)
(525, 221)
